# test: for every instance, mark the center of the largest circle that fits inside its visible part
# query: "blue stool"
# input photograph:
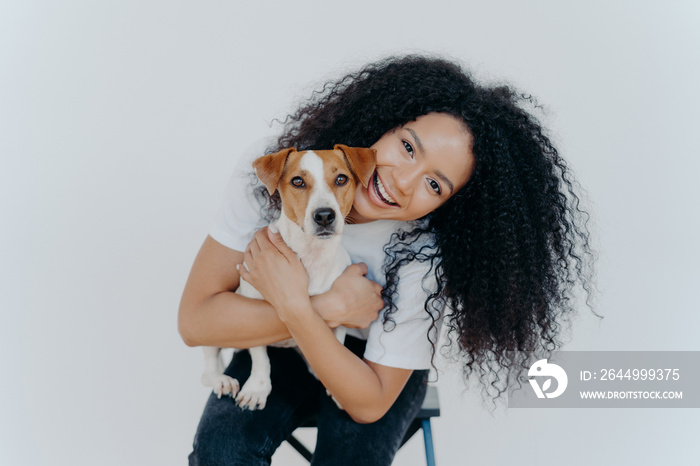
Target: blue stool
(429, 409)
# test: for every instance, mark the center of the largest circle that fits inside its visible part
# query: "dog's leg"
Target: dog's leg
(255, 391)
(213, 375)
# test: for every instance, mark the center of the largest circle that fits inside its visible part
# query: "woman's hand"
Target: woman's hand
(276, 272)
(353, 301)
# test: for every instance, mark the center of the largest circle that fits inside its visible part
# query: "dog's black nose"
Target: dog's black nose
(324, 217)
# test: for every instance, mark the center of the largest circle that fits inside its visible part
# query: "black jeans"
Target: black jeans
(228, 435)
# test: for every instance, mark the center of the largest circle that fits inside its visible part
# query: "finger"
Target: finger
(264, 243)
(276, 239)
(261, 239)
(253, 248)
(248, 260)
(266, 246)
(362, 266)
(380, 306)
(243, 272)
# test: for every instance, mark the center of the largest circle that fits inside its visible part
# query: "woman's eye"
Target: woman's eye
(341, 180)
(436, 187)
(298, 182)
(409, 148)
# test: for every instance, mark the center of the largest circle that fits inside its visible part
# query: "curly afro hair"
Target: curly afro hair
(510, 250)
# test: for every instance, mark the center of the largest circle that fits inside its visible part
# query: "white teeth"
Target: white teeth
(382, 193)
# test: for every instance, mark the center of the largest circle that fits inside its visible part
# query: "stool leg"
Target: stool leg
(298, 446)
(428, 438)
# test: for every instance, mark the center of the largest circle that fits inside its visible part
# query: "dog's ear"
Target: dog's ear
(361, 161)
(269, 168)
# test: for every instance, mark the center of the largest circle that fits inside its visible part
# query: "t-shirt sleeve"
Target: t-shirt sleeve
(407, 344)
(240, 214)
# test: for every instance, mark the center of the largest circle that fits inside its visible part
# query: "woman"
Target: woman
(475, 213)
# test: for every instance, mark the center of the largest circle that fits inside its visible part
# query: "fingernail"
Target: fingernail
(273, 228)
(238, 266)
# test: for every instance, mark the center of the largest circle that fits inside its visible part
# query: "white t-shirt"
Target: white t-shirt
(406, 345)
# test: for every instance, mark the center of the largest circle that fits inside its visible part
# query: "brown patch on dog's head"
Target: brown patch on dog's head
(339, 178)
(361, 161)
(269, 168)
(295, 187)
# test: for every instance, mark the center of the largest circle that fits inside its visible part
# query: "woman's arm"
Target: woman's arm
(365, 390)
(212, 314)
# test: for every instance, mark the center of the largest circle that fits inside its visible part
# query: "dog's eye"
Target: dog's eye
(341, 180)
(298, 182)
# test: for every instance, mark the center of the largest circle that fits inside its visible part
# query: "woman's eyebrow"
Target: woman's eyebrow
(438, 173)
(417, 139)
(447, 181)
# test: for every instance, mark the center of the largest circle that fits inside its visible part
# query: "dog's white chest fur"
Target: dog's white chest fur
(324, 261)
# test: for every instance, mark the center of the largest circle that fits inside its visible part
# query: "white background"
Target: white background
(119, 124)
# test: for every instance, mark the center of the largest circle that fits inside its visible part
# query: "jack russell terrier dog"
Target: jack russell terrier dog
(317, 189)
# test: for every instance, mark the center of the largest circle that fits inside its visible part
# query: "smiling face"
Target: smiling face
(419, 166)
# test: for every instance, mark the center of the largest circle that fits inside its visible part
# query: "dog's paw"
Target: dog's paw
(335, 401)
(221, 384)
(254, 394)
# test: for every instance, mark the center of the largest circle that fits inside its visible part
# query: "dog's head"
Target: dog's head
(317, 188)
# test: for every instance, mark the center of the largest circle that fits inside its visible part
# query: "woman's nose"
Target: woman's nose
(405, 178)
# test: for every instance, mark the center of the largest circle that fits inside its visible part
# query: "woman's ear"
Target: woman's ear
(269, 168)
(361, 161)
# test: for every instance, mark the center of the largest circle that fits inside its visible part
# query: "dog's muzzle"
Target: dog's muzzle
(324, 219)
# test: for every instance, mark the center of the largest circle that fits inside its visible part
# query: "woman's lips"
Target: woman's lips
(380, 193)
